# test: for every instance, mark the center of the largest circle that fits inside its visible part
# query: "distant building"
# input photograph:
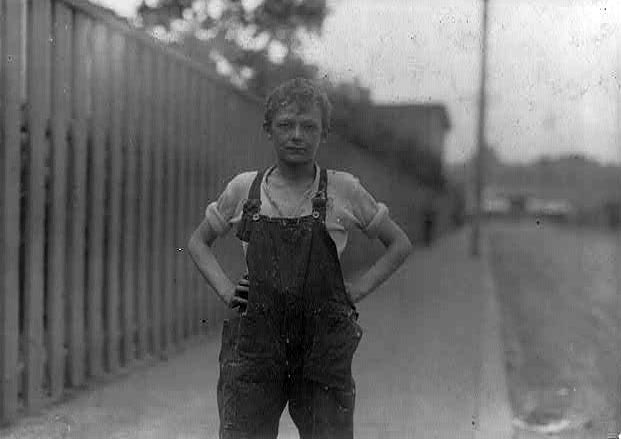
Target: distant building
(424, 125)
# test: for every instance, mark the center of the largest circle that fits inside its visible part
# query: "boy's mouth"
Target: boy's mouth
(296, 149)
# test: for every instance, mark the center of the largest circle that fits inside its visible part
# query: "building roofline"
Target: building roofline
(437, 106)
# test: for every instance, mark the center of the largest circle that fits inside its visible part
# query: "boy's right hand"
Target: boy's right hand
(239, 297)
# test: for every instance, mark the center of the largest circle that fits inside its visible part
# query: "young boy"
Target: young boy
(296, 331)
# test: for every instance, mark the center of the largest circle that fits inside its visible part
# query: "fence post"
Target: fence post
(10, 165)
(39, 50)
(204, 192)
(171, 203)
(131, 203)
(185, 193)
(114, 232)
(160, 337)
(191, 202)
(57, 256)
(97, 193)
(78, 202)
(213, 187)
(194, 163)
(179, 143)
(146, 234)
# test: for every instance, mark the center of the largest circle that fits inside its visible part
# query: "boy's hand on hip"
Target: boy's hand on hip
(237, 295)
(240, 294)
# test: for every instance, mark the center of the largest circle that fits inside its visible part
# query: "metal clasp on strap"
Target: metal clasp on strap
(316, 214)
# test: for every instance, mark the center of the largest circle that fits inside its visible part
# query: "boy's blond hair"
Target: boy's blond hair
(303, 92)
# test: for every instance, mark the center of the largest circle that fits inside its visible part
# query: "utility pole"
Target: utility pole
(616, 424)
(475, 247)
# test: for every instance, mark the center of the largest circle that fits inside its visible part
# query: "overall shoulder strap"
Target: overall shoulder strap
(255, 189)
(251, 208)
(323, 183)
(320, 199)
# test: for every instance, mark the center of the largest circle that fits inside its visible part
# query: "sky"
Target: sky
(552, 68)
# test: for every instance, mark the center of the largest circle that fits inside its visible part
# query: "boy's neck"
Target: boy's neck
(297, 173)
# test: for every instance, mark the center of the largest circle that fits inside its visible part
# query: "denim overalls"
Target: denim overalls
(295, 341)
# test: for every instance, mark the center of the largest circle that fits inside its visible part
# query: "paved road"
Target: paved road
(558, 287)
(417, 368)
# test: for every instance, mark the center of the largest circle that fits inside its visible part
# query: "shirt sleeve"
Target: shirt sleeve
(368, 212)
(219, 213)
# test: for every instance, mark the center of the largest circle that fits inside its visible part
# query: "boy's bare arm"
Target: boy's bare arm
(398, 248)
(199, 246)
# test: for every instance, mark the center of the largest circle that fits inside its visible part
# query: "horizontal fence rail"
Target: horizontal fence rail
(111, 146)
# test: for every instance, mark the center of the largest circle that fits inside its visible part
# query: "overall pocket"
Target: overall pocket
(256, 339)
(228, 347)
(336, 338)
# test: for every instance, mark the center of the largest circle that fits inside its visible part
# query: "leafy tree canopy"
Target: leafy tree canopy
(255, 42)
(250, 41)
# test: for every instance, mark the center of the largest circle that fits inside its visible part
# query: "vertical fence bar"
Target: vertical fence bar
(179, 143)
(216, 149)
(148, 102)
(56, 255)
(39, 49)
(189, 152)
(181, 148)
(169, 232)
(185, 166)
(199, 198)
(129, 291)
(211, 184)
(10, 165)
(158, 281)
(206, 185)
(193, 161)
(78, 202)
(97, 179)
(212, 187)
(113, 285)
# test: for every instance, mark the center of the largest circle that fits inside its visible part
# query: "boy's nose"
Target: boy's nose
(297, 131)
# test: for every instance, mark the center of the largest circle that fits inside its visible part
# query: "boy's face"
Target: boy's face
(296, 132)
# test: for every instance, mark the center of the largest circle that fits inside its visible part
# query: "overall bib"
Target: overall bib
(295, 340)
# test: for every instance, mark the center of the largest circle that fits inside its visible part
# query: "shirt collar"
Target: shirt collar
(315, 185)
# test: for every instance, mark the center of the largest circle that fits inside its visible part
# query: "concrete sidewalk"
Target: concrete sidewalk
(429, 366)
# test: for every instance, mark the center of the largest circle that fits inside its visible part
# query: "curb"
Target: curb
(494, 410)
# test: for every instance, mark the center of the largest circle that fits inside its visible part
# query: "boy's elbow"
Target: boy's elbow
(194, 242)
(190, 244)
(406, 247)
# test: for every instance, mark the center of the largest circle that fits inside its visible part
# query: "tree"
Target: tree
(251, 41)
(254, 43)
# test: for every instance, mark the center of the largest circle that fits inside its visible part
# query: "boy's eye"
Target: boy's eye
(289, 125)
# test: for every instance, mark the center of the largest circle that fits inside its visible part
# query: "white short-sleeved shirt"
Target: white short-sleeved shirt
(349, 206)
